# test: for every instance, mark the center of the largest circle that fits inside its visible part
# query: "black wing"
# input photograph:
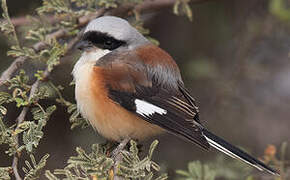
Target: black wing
(159, 107)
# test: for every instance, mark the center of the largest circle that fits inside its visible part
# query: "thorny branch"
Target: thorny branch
(123, 10)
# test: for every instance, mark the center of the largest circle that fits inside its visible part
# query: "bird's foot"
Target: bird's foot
(117, 151)
(109, 147)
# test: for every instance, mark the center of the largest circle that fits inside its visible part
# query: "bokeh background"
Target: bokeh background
(234, 58)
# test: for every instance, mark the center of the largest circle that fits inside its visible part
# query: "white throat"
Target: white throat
(87, 61)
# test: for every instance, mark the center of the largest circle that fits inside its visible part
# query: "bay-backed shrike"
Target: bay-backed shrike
(128, 87)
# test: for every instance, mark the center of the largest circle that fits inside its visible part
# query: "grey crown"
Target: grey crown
(119, 29)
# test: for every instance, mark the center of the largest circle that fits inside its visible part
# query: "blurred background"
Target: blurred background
(234, 58)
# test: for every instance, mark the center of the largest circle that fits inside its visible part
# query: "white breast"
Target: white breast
(82, 75)
(91, 58)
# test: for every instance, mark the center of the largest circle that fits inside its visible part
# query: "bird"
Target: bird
(127, 87)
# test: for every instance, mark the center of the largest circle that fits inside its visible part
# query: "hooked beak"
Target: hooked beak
(83, 45)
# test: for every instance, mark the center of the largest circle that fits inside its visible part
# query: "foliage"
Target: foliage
(221, 167)
(181, 7)
(132, 167)
(6, 26)
(98, 165)
(198, 171)
(33, 131)
(84, 166)
(4, 173)
(33, 171)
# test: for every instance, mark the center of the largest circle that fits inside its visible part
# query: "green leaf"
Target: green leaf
(32, 136)
(108, 3)
(54, 54)
(75, 118)
(162, 177)
(197, 171)
(132, 167)
(85, 165)
(5, 173)
(152, 148)
(58, 6)
(7, 137)
(20, 102)
(17, 51)
(42, 92)
(33, 171)
(32, 131)
(19, 81)
(37, 35)
(181, 7)
(50, 175)
(3, 110)
(4, 97)
(39, 75)
(6, 25)
(176, 7)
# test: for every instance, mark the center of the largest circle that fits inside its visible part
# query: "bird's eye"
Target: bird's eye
(108, 43)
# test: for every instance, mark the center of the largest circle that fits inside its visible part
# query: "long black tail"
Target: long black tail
(234, 152)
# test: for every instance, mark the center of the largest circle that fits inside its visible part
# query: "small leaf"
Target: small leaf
(33, 172)
(5, 173)
(152, 148)
(3, 110)
(50, 176)
(176, 7)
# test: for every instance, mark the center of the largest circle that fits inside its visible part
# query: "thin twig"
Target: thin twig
(117, 157)
(7, 74)
(23, 20)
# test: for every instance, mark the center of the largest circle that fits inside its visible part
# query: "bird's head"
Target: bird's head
(109, 33)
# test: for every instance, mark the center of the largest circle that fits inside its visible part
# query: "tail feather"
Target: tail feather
(235, 152)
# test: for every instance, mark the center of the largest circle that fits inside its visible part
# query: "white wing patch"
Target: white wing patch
(145, 108)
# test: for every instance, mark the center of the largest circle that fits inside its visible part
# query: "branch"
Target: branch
(18, 62)
(117, 157)
(146, 6)
(7, 74)
(23, 20)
